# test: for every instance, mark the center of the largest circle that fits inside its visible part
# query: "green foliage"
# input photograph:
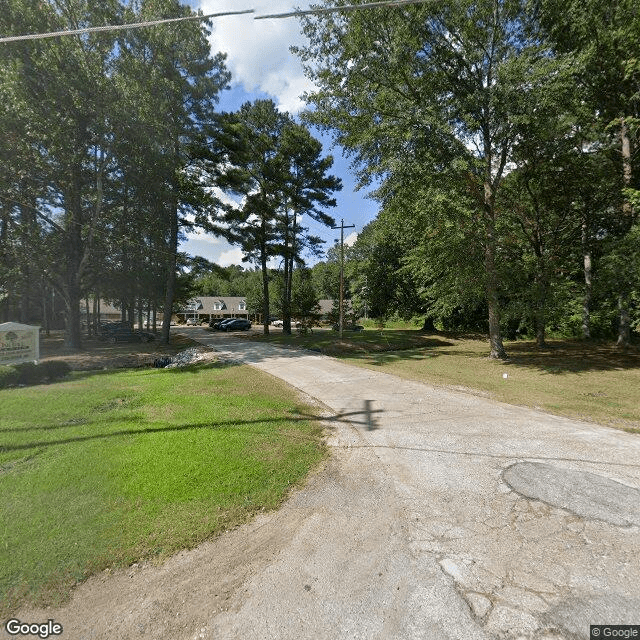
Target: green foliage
(496, 151)
(8, 376)
(275, 168)
(55, 369)
(304, 300)
(101, 125)
(29, 373)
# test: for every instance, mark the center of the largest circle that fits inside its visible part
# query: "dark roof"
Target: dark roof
(205, 304)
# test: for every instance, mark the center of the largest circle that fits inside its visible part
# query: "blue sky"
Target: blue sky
(262, 66)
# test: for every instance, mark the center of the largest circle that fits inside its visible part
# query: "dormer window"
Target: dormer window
(242, 306)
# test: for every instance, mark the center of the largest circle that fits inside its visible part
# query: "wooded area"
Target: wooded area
(500, 138)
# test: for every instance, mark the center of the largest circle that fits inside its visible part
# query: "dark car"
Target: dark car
(238, 324)
(218, 324)
(348, 327)
(122, 332)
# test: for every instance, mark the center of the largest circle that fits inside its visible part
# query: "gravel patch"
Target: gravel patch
(192, 355)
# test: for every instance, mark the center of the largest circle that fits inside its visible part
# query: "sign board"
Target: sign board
(19, 343)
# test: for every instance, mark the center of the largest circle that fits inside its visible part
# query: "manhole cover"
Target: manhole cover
(586, 494)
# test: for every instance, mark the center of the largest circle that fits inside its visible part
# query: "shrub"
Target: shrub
(55, 369)
(8, 376)
(29, 373)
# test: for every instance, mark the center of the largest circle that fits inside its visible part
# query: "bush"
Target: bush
(8, 376)
(29, 373)
(55, 369)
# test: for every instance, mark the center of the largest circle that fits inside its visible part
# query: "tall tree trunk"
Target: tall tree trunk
(286, 298)
(265, 280)
(541, 324)
(28, 228)
(541, 288)
(491, 274)
(73, 289)
(624, 331)
(88, 315)
(289, 287)
(171, 272)
(45, 308)
(24, 294)
(586, 300)
(624, 326)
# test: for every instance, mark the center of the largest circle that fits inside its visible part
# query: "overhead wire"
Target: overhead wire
(346, 7)
(151, 23)
(120, 27)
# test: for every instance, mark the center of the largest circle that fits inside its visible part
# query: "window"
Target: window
(217, 306)
(242, 306)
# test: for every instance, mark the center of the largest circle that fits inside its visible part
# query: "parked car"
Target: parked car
(277, 323)
(237, 324)
(192, 322)
(217, 324)
(348, 327)
(122, 332)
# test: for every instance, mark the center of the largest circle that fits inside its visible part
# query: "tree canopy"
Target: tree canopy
(479, 121)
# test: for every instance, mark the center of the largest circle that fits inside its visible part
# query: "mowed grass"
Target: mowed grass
(328, 341)
(112, 467)
(586, 380)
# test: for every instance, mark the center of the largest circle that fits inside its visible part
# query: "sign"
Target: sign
(19, 343)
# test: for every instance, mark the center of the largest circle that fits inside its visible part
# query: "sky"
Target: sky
(262, 67)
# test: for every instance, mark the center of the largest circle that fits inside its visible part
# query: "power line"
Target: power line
(120, 27)
(347, 7)
(151, 23)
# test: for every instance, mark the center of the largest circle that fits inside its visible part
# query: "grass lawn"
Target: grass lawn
(111, 467)
(591, 381)
(369, 341)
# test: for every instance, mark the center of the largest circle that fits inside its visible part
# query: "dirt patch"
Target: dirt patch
(178, 598)
(98, 354)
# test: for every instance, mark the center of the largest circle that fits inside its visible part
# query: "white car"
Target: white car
(277, 323)
(191, 322)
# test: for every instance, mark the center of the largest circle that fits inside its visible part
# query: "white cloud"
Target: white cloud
(350, 240)
(205, 238)
(258, 50)
(230, 256)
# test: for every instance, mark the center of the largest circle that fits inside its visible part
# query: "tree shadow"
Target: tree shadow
(364, 417)
(572, 356)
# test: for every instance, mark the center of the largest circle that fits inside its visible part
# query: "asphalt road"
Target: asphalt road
(446, 515)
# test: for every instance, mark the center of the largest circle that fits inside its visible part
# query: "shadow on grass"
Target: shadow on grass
(560, 357)
(557, 358)
(389, 357)
(365, 418)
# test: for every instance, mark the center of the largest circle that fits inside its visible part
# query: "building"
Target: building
(207, 308)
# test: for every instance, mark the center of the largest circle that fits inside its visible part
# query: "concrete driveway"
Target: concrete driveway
(447, 515)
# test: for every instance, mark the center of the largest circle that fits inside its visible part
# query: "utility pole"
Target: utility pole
(342, 227)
